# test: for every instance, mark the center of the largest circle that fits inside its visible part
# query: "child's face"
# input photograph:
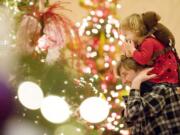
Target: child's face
(130, 36)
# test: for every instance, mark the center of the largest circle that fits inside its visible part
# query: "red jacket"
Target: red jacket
(165, 65)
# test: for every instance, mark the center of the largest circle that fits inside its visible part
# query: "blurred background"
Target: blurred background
(58, 64)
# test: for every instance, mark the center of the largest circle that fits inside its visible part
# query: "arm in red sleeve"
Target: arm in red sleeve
(145, 53)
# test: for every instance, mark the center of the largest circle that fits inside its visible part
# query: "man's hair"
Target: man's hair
(128, 63)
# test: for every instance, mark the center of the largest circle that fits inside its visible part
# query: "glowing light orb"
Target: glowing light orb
(94, 109)
(30, 95)
(55, 109)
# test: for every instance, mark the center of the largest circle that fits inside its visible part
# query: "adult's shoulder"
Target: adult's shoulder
(163, 88)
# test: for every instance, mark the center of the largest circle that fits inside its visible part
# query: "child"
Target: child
(150, 43)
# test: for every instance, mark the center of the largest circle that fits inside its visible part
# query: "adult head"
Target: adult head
(128, 69)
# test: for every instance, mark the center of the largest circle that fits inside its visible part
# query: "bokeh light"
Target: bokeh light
(55, 109)
(94, 109)
(30, 95)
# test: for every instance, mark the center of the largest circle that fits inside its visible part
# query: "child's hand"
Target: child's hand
(125, 50)
(128, 48)
(130, 45)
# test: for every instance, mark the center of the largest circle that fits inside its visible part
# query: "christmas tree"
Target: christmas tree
(63, 77)
(100, 33)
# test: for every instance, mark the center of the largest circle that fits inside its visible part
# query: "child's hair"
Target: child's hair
(147, 24)
(135, 24)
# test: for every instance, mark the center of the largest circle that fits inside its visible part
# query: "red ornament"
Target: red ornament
(95, 44)
(110, 78)
(92, 65)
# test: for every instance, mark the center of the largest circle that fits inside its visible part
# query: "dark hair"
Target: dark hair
(161, 32)
(128, 63)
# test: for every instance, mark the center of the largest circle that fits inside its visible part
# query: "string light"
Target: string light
(119, 6)
(106, 47)
(120, 43)
(31, 3)
(101, 20)
(114, 62)
(128, 88)
(89, 48)
(98, 26)
(106, 65)
(92, 13)
(88, 33)
(95, 31)
(99, 13)
(112, 48)
(119, 87)
(93, 54)
(89, 18)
